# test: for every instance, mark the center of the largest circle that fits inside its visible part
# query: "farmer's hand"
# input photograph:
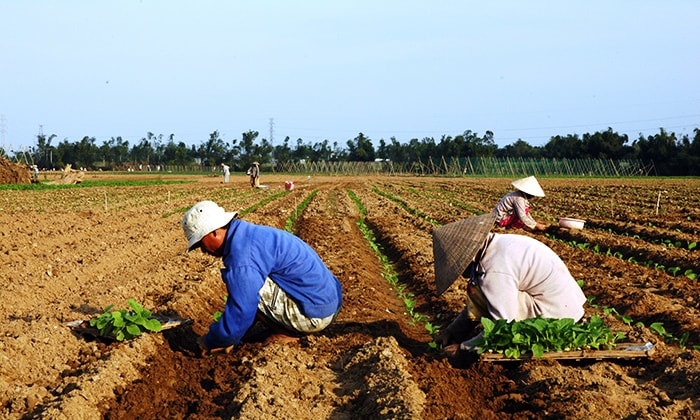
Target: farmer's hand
(451, 350)
(226, 350)
(540, 227)
(205, 351)
(445, 338)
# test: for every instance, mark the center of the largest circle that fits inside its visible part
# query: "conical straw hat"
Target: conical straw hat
(529, 185)
(456, 244)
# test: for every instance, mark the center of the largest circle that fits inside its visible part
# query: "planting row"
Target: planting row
(656, 247)
(589, 253)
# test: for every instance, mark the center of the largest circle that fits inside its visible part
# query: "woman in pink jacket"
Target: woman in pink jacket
(513, 210)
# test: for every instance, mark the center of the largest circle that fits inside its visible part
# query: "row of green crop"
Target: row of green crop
(597, 249)
(675, 270)
(291, 220)
(405, 206)
(667, 242)
(657, 327)
(390, 274)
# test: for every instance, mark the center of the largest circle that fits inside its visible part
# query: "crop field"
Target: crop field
(66, 254)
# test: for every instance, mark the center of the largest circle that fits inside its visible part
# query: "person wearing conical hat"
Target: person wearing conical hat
(510, 276)
(254, 173)
(513, 210)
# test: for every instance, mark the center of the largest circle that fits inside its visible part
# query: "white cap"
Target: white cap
(529, 185)
(203, 218)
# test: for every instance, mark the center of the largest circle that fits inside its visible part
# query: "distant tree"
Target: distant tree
(692, 151)
(520, 149)
(65, 154)
(338, 153)
(263, 151)
(115, 151)
(302, 151)
(159, 148)
(43, 153)
(246, 148)
(487, 146)
(141, 152)
(282, 152)
(567, 147)
(86, 151)
(483, 146)
(604, 145)
(177, 154)
(213, 151)
(397, 152)
(360, 149)
(383, 150)
(322, 151)
(662, 150)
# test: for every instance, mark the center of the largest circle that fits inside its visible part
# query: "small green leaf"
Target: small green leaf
(133, 330)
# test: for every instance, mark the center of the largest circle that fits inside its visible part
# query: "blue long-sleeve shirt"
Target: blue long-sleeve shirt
(254, 252)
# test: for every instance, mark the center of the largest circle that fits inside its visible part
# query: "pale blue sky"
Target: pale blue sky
(331, 69)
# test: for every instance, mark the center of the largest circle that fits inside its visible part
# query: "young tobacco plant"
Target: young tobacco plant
(391, 276)
(540, 335)
(123, 324)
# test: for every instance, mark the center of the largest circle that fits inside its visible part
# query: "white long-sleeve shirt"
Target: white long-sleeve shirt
(522, 278)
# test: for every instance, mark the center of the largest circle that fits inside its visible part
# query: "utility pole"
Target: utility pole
(272, 144)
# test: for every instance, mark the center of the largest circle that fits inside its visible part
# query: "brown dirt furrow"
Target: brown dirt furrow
(67, 253)
(654, 256)
(641, 293)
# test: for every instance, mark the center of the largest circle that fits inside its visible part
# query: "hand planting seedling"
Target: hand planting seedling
(123, 324)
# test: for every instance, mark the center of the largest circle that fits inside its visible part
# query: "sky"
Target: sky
(329, 70)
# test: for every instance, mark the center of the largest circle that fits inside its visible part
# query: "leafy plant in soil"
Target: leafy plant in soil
(539, 335)
(390, 274)
(125, 324)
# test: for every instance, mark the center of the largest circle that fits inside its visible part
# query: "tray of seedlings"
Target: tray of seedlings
(544, 338)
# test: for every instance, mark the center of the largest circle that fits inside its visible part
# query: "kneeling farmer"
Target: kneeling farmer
(271, 276)
(512, 277)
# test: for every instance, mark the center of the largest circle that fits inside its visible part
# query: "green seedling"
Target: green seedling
(539, 335)
(124, 324)
(289, 224)
(390, 274)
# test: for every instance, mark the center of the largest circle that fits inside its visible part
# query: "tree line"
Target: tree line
(671, 155)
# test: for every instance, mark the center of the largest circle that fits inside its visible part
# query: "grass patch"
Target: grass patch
(90, 184)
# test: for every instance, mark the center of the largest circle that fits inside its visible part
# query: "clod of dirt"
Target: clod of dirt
(374, 382)
(13, 173)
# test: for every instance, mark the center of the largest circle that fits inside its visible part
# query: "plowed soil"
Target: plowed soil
(66, 254)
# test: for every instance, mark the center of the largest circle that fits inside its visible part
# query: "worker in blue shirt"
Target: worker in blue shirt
(271, 276)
